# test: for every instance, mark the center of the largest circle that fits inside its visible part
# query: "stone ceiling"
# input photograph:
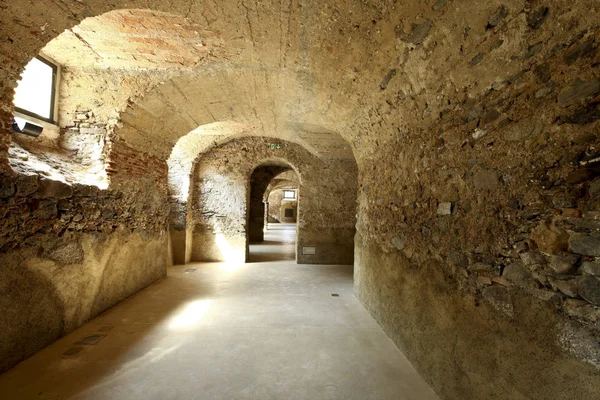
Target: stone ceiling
(132, 39)
(307, 72)
(211, 87)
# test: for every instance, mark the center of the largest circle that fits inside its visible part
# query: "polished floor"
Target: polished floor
(269, 329)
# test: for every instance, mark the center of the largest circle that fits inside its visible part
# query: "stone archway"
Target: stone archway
(219, 219)
(261, 178)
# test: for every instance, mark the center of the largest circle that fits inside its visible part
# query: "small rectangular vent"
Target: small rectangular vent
(335, 295)
(309, 251)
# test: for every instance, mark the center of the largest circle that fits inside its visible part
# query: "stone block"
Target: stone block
(578, 91)
(587, 245)
(570, 212)
(563, 263)
(580, 50)
(420, 31)
(481, 267)
(537, 17)
(458, 259)
(444, 208)
(542, 73)
(496, 17)
(589, 288)
(568, 287)
(550, 238)
(70, 253)
(518, 274)
(45, 209)
(398, 243)
(27, 185)
(532, 257)
(499, 298)
(7, 187)
(440, 4)
(590, 268)
(54, 189)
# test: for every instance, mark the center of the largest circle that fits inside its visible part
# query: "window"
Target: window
(289, 213)
(35, 94)
(289, 195)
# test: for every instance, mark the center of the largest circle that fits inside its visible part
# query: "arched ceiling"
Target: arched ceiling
(272, 103)
(134, 39)
(221, 75)
(303, 70)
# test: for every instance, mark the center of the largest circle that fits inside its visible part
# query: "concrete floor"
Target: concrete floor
(263, 330)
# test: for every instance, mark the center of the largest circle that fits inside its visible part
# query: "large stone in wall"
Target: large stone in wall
(587, 245)
(589, 288)
(55, 189)
(550, 238)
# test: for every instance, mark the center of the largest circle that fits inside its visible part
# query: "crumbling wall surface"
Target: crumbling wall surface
(478, 242)
(70, 251)
(221, 193)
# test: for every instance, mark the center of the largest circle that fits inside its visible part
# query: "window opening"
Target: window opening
(36, 91)
(289, 194)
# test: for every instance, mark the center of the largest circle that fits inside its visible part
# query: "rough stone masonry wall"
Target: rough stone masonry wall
(69, 252)
(479, 218)
(404, 69)
(326, 204)
(69, 249)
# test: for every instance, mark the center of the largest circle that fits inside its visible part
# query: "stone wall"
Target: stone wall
(292, 207)
(474, 125)
(274, 202)
(477, 248)
(70, 251)
(221, 192)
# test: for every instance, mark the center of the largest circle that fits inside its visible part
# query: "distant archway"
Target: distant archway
(260, 180)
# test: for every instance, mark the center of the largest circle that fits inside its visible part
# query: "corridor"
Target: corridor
(269, 329)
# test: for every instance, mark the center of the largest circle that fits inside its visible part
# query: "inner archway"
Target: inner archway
(218, 218)
(261, 181)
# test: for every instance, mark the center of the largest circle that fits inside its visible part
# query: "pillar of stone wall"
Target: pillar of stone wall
(181, 233)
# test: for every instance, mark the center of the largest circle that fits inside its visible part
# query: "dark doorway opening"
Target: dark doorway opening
(271, 237)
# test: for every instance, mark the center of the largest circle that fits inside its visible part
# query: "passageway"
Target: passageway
(440, 159)
(279, 244)
(265, 330)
